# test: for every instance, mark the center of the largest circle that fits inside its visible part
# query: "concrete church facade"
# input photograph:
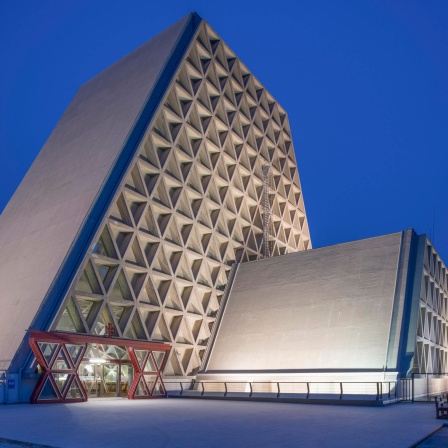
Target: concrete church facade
(133, 249)
(129, 221)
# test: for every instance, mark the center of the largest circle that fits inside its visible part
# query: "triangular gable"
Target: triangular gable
(187, 210)
(180, 204)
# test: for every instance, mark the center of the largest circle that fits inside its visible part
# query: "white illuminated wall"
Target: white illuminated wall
(310, 312)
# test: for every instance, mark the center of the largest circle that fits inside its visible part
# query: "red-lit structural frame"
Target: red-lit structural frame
(141, 372)
(64, 339)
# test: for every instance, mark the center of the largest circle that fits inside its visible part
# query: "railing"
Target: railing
(425, 386)
(407, 389)
(342, 390)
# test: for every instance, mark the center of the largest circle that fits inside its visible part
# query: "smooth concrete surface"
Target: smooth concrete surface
(202, 423)
(327, 308)
(43, 217)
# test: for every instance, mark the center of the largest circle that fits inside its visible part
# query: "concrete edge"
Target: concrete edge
(428, 436)
(18, 443)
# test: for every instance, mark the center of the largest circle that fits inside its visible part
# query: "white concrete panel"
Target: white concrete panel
(327, 308)
(43, 217)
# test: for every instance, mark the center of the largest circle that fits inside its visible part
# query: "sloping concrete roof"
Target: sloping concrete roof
(57, 196)
(327, 308)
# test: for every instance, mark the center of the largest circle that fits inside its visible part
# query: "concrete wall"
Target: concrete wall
(327, 308)
(41, 221)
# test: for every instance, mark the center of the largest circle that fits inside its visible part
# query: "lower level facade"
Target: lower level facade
(75, 367)
(364, 311)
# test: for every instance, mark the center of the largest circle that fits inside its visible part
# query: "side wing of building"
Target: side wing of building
(343, 308)
(430, 312)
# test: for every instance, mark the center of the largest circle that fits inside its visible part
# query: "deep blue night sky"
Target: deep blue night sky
(365, 84)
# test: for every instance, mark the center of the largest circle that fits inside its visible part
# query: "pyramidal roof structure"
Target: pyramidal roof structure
(148, 190)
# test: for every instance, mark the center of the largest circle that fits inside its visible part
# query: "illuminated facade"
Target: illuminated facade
(431, 350)
(367, 310)
(127, 224)
(133, 250)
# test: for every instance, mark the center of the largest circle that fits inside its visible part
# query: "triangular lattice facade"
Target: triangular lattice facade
(189, 206)
(431, 354)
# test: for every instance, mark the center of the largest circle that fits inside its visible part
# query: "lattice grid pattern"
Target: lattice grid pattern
(431, 350)
(190, 205)
(59, 381)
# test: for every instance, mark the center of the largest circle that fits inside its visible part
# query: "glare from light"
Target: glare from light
(97, 361)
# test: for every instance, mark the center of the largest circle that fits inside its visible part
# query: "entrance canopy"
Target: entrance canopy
(60, 356)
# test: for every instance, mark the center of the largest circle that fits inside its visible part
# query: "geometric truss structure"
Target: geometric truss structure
(59, 381)
(60, 356)
(147, 381)
(190, 205)
(431, 350)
